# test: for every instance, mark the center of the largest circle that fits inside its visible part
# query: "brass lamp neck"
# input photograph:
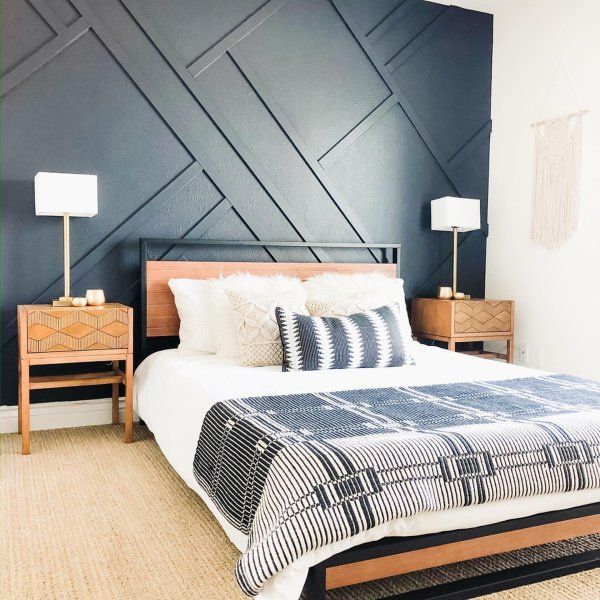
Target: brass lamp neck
(455, 260)
(67, 255)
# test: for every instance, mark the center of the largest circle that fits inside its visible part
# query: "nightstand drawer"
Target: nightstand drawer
(483, 316)
(462, 321)
(68, 329)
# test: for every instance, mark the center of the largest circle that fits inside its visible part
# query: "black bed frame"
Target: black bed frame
(473, 586)
(456, 590)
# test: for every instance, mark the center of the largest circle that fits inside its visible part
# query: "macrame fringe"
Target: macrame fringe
(556, 180)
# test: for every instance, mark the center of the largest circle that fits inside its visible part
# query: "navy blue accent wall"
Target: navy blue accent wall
(328, 120)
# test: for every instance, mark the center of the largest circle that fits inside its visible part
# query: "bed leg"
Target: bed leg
(315, 583)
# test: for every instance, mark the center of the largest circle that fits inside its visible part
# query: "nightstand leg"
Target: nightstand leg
(510, 350)
(19, 408)
(129, 399)
(24, 395)
(115, 397)
(452, 345)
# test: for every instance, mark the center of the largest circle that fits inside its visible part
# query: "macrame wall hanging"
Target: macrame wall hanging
(556, 175)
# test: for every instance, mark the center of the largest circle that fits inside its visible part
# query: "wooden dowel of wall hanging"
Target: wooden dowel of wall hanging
(574, 114)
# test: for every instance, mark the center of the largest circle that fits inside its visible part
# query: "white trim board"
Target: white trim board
(487, 6)
(58, 415)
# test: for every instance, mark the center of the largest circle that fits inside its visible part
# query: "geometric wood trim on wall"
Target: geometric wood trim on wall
(180, 128)
(237, 35)
(398, 95)
(357, 184)
(189, 80)
(28, 67)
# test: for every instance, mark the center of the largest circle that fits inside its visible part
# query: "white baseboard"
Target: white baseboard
(57, 415)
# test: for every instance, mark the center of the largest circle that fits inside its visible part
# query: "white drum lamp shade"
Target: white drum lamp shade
(60, 193)
(455, 214)
(66, 195)
(449, 212)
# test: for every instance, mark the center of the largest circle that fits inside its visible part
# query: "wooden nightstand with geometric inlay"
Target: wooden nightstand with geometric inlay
(473, 320)
(51, 335)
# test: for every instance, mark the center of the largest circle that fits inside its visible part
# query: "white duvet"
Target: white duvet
(173, 393)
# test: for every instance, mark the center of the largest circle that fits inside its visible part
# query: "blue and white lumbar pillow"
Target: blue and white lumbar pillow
(371, 339)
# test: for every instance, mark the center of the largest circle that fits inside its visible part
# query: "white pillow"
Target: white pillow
(223, 324)
(223, 330)
(193, 303)
(340, 295)
(348, 284)
(258, 331)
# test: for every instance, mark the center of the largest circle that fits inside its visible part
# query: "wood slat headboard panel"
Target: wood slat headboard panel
(161, 316)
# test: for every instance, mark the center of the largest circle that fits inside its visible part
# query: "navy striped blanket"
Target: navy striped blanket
(299, 471)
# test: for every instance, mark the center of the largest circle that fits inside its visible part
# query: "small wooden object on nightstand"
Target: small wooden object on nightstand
(455, 321)
(51, 335)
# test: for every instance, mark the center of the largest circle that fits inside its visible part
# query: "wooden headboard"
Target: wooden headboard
(159, 314)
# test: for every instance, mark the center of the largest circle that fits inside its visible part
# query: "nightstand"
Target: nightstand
(50, 335)
(453, 321)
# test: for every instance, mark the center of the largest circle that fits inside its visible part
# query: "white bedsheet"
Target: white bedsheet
(173, 393)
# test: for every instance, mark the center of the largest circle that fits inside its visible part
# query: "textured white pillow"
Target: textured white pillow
(348, 284)
(223, 324)
(192, 302)
(258, 331)
(223, 330)
(340, 295)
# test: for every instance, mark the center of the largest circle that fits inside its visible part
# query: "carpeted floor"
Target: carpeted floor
(88, 517)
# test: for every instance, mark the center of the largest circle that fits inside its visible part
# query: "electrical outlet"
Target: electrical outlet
(537, 356)
(522, 353)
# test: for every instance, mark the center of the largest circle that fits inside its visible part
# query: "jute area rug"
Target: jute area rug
(86, 516)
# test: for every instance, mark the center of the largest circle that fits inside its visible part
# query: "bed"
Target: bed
(174, 394)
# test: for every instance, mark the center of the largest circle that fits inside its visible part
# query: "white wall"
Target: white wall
(557, 292)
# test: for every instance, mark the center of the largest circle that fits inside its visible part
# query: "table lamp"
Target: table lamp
(455, 214)
(66, 195)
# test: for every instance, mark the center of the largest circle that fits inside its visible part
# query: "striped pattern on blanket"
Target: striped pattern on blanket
(299, 471)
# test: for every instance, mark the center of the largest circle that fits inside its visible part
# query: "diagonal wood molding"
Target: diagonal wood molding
(464, 242)
(72, 33)
(222, 124)
(406, 106)
(340, 147)
(448, 165)
(179, 128)
(237, 35)
(43, 56)
(208, 220)
(419, 40)
(390, 20)
(298, 143)
(408, 50)
(48, 14)
(480, 136)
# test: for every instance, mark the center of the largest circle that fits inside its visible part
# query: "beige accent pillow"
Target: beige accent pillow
(343, 306)
(340, 295)
(222, 320)
(258, 332)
